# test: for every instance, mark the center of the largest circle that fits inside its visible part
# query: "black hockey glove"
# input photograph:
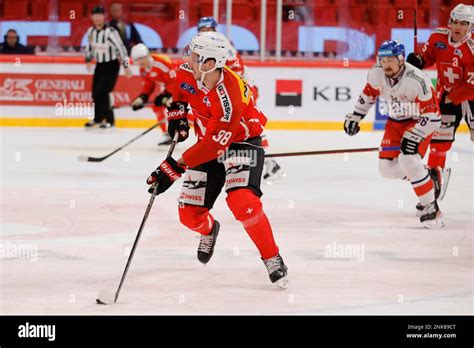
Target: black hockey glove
(410, 142)
(139, 102)
(178, 121)
(165, 175)
(415, 60)
(163, 99)
(351, 124)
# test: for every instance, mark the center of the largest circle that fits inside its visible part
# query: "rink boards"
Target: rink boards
(55, 92)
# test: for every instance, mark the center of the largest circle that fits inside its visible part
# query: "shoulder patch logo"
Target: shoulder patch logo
(187, 87)
(441, 45)
(225, 102)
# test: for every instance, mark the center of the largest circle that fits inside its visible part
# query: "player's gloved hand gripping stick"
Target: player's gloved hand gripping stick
(106, 296)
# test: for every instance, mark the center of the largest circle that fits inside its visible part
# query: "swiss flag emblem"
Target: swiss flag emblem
(451, 75)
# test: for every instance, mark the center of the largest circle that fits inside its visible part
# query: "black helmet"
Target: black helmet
(98, 9)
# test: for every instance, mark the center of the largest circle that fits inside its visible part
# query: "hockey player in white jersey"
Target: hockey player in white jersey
(413, 118)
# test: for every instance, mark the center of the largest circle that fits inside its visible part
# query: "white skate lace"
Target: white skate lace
(272, 264)
(205, 245)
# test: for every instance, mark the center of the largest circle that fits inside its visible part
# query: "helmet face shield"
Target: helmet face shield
(191, 57)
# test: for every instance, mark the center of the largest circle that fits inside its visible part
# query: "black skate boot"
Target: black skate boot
(419, 209)
(431, 216)
(106, 125)
(440, 179)
(273, 172)
(435, 175)
(91, 124)
(207, 243)
(277, 271)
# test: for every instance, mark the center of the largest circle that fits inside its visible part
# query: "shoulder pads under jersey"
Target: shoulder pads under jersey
(443, 31)
(374, 74)
(470, 44)
(161, 57)
(416, 74)
(185, 67)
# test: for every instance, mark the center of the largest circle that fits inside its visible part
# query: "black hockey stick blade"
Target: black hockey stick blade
(83, 158)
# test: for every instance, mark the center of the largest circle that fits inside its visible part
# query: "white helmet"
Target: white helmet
(463, 13)
(209, 45)
(139, 51)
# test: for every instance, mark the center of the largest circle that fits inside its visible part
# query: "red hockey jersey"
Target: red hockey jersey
(222, 115)
(455, 64)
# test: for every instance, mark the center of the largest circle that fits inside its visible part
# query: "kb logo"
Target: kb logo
(331, 94)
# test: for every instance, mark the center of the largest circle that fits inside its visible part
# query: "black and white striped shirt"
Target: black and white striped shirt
(105, 45)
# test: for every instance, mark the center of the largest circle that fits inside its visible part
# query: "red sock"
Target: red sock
(437, 157)
(196, 218)
(160, 117)
(247, 208)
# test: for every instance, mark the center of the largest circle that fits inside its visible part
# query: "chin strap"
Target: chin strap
(203, 73)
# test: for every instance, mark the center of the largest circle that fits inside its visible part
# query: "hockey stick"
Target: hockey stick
(323, 152)
(100, 159)
(142, 225)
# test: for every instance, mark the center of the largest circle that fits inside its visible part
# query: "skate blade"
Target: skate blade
(438, 223)
(446, 175)
(282, 283)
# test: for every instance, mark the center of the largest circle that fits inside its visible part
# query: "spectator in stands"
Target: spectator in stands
(127, 31)
(12, 44)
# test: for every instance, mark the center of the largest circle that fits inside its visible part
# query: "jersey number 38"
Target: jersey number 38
(222, 137)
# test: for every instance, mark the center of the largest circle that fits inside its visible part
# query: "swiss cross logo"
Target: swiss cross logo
(451, 74)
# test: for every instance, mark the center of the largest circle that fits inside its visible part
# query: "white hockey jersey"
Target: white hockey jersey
(411, 96)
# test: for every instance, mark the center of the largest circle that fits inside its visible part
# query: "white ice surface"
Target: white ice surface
(83, 218)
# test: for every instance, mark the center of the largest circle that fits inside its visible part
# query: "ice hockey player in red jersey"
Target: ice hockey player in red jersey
(413, 117)
(155, 69)
(228, 153)
(451, 49)
(272, 170)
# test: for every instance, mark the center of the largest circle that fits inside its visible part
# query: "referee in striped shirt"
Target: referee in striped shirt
(105, 47)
